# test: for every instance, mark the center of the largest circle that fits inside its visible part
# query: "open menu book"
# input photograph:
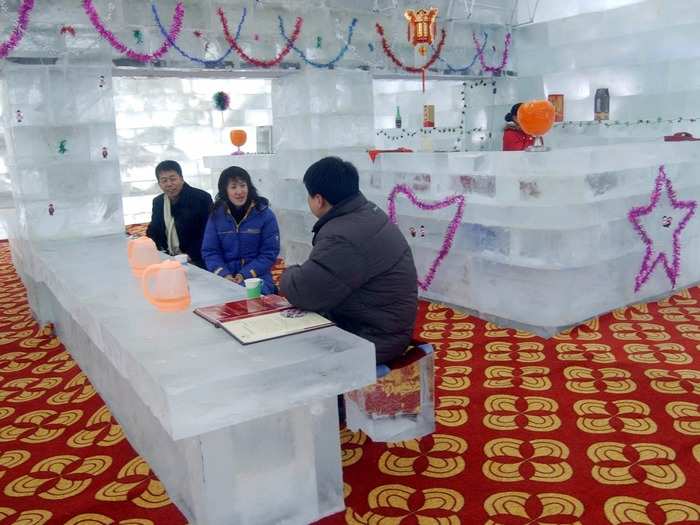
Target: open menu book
(255, 320)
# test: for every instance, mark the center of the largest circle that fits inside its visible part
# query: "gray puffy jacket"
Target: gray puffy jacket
(361, 274)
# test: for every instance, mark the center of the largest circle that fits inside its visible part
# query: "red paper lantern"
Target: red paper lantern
(421, 27)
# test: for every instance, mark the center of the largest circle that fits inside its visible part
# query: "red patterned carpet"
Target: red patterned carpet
(63, 458)
(597, 426)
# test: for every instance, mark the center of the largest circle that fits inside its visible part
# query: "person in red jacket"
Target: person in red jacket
(514, 138)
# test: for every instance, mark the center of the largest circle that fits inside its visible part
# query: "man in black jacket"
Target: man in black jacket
(179, 214)
(360, 272)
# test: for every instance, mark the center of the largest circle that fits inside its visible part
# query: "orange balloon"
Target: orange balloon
(536, 117)
(238, 137)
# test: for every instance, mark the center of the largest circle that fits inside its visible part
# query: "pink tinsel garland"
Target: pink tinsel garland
(117, 44)
(254, 61)
(20, 27)
(504, 59)
(672, 269)
(447, 240)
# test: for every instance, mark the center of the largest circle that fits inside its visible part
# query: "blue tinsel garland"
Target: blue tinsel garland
(320, 65)
(207, 63)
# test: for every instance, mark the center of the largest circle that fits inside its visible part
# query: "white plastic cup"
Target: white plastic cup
(253, 287)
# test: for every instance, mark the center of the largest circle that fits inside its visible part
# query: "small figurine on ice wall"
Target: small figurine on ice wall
(666, 221)
(19, 116)
(68, 30)
(102, 81)
(105, 153)
(62, 149)
(200, 35)
(52, 210)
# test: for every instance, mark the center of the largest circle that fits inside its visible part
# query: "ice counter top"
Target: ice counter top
(545, 240)
(193, 377)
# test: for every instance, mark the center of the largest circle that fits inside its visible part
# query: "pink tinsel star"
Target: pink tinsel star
(653, 254)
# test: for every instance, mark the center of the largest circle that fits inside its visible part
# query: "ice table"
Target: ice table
(237, 434)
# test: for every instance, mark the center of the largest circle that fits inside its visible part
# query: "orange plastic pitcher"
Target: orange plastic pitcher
(165, 286)
(142, 252)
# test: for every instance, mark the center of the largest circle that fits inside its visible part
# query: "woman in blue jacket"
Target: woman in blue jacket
(241, 239)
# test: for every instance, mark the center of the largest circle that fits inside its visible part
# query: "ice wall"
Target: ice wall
(545, 241)
(177, 120)
(325, 29)
(645, 53)
(546, 10)
(146, 124)
(316, 113)
(63, 155)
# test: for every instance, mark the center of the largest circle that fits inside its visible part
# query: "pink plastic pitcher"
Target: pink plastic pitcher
(142, 253)
(165, 286)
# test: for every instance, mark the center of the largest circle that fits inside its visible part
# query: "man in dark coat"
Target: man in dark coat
(360, 272)
(179, 214)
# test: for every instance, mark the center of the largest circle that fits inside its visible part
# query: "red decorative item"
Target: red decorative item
(681, 136)
(373, 153)
(397, 392)
(557, 101)
(421, 27)
(254, 61)
(411, 69)
(428, 116)
(69, 30)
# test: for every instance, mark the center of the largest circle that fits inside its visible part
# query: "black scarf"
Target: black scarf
(238, 212)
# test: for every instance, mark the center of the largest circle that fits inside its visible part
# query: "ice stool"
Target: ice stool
(400, 405)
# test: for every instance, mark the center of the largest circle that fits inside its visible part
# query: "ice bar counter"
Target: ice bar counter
(545, 241)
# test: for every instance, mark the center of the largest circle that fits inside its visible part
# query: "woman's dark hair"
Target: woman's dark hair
(510, 117)
(236, 173)
(333, 178)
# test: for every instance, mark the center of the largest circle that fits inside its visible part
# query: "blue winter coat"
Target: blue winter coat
(249, 248)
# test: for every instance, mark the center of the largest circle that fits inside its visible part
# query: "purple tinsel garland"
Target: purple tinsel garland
(647, 267)
(20, 27)
(449, 234)
(504, 59)
(174, 32)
